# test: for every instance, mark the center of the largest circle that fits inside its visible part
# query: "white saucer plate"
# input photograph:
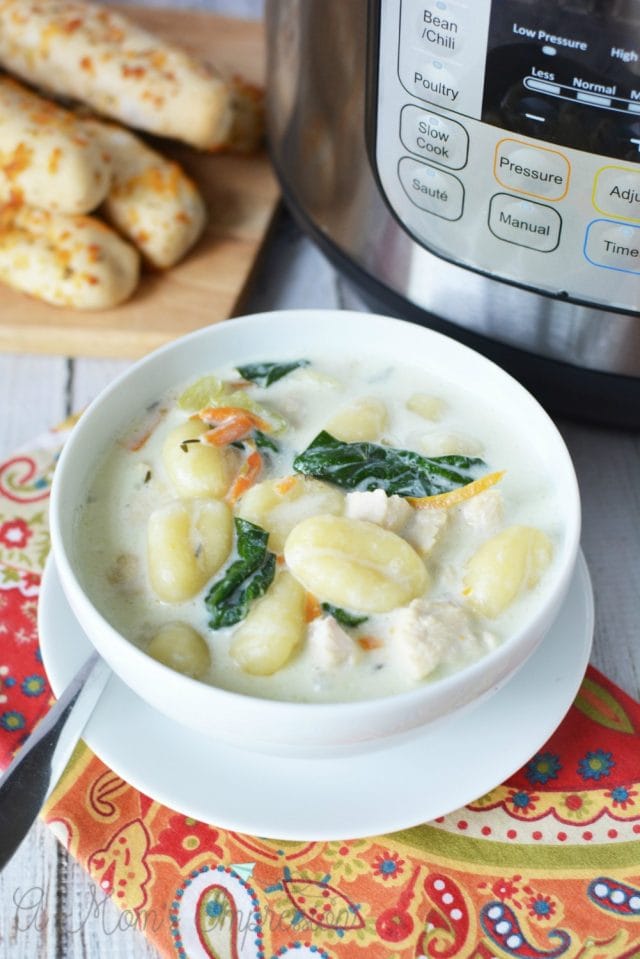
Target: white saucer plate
(430, 774)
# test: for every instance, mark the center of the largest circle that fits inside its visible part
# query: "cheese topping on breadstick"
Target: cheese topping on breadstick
(151, 201)
(66, 260)
(100, 57)
(47, 158)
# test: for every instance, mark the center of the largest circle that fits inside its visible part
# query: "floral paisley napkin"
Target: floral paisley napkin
(545, 865)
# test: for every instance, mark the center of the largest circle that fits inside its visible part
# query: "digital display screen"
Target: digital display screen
(566, 71)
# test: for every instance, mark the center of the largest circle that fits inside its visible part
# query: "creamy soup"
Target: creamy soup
(346, 531)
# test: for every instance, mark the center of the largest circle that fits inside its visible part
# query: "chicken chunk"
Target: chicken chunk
(427, 634)
(331, 647)
(390, 512)
(424, 528)
(484, 512)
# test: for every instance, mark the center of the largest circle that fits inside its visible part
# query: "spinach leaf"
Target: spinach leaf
(343, 616)
(264, 374)
(248, 578)
(368, 466)
(264, 442)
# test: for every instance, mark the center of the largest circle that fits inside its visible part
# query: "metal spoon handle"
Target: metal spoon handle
(33, 773)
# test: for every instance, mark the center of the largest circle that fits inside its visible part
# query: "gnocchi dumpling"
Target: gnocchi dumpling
(504, 566)
(450, 444)
(355, 564)
(187, 542)
(180, 647)
(273, 630)
(196, 470)
(364, 420)
(278, 505)
(427, 406)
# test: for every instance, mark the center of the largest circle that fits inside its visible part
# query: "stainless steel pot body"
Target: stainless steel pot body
(327, 143)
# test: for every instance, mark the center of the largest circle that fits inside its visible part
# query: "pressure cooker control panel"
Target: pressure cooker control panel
(507, 138)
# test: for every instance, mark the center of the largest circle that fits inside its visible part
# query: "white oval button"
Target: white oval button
(432, 190)
(524, 223)
(617, 192)
(440, 27)
(613, 245)
(434, 137)
(535, 171)
(429, 79)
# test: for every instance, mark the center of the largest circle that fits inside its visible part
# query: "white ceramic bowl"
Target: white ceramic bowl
(285, 726)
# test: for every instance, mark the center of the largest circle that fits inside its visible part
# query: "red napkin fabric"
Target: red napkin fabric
(545, 865)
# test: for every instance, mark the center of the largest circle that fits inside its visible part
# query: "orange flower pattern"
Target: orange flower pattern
(510, 875)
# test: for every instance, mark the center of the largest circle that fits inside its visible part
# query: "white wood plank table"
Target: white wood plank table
(48, 906)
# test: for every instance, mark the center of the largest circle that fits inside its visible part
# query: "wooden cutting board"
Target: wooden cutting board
(241, 195)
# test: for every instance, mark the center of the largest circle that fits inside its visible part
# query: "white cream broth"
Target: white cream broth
(130, 485)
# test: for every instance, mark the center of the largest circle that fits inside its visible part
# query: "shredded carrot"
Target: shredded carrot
(218, 414)
(230, 424)
(312, 608)
(455, 496)
(234, 429)
(369, 642)
(247, 476)
(279, 559)
(286, 484)
(138, 439)
(136, 444)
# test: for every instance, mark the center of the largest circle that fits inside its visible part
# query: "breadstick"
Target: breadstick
(66, 260)
(151, 201)
(47, 158)
(100, 57)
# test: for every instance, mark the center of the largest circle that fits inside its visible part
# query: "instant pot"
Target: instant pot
(474, 165)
